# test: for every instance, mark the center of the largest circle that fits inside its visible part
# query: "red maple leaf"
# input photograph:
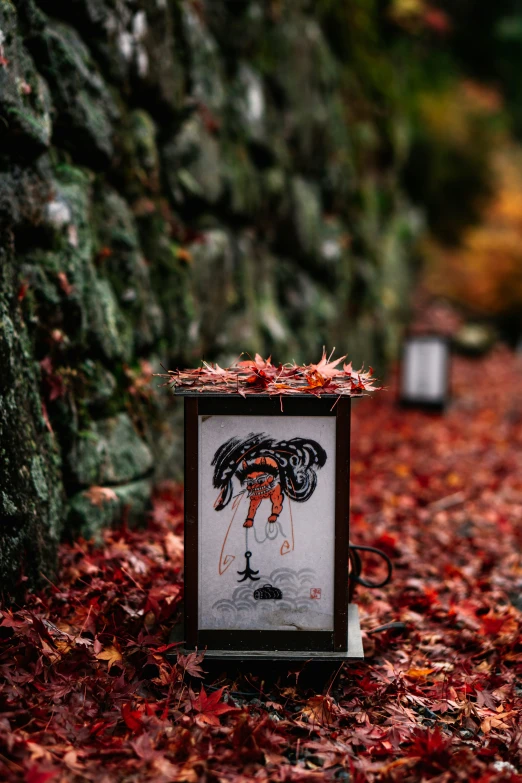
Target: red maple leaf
(437, 20)
(191, 664)
(22, 290)
(259, 378)
(491, 625)
(133, 718)
(211, 707)
(35, 775)
(54, 382)
(432, 747)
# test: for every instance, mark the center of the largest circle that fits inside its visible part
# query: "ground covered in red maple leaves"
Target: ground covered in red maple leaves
(91, 688)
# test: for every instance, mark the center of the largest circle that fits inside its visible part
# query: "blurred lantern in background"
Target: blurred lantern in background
(424, 372)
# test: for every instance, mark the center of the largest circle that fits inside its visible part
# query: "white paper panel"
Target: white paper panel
(424, 370)
(295, 554)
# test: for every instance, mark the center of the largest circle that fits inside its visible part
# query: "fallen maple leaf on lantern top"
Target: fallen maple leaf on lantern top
(261, 376)
(327, 368)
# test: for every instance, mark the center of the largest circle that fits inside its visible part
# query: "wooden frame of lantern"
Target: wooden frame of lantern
(341, 641)
(419, 398)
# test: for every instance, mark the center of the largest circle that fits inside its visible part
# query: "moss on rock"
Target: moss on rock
(91, 511)
(25, 105)
(178, 180)
(126, 270)
(86, 110)
(205, 63)
(111, 452)
(192, 164)
(31, 489)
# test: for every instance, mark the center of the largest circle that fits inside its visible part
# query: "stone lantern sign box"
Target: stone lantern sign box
(267, 467)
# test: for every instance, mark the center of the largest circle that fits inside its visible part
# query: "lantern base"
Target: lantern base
(354, 651)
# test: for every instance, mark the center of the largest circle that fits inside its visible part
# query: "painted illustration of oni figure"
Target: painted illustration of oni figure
(268, 470)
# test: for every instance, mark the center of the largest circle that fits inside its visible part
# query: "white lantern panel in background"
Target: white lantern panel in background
(425, 370)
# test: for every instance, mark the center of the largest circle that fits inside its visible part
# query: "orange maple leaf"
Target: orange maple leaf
(316, 380)
(214, 369)
(319, 709)
(110, 654)
(419, 674)
(326, 367)
(184, 255)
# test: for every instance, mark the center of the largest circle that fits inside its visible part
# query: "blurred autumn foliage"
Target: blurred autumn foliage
(484, 272)
(465, 164)
(450, 168)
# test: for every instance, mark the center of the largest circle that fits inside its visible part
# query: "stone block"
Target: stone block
(205, 63)
(192, 164)
(110, 452)
(94, 510)
(125, 268)
(85, 108)
(25, 104)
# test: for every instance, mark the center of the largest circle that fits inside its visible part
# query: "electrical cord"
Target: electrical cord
(356, 567)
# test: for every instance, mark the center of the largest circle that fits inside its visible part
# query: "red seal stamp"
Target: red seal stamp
(315, 592)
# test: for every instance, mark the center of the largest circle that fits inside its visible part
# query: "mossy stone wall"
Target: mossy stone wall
(179, 179)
